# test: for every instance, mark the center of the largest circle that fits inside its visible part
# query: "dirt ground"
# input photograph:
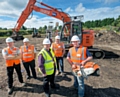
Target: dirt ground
(106, 85)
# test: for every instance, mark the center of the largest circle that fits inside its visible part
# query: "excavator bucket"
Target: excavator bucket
(20, 37)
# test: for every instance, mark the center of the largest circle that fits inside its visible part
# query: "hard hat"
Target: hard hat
(9, 39)
(25, 40)
(75, 38)
(57, 37)
(46, 41)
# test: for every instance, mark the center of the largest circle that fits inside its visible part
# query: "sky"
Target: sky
(10, 11)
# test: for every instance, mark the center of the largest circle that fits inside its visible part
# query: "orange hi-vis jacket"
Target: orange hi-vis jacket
(58, 49)
(27, 53)
(78, 56)
(10, 52)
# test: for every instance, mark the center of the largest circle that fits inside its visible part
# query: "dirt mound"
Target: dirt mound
(107, 37)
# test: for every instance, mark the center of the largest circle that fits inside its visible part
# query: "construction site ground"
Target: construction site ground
(105, 85)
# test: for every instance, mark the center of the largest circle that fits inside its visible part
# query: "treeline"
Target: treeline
(102, 23)
(113, 23)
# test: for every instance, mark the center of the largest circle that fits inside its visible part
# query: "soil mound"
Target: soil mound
(107, 37)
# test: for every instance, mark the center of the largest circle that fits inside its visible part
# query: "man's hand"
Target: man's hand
(83, 63)
(79, 73)
(44, 75)
(74, 66)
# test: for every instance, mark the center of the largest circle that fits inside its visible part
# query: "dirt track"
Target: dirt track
(106, 85)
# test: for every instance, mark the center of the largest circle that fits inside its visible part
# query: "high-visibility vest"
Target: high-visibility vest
(50, 62)
(58, 49)
(11, 52)
(27, 53)
(78, 56)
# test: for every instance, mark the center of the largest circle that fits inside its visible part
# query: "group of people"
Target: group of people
(50, 62)
(14, 56)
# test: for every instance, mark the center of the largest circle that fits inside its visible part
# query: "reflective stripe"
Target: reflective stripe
(49, 69)
(75, 58)
(27, 52)
(27, 56)
(83, 54)
(47, 61)
(57, 48)
(44, 54)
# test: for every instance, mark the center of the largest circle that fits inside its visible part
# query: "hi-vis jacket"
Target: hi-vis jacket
(58, 49)
(27, 53)
(78, 56)
(50, 62)
(11, 52)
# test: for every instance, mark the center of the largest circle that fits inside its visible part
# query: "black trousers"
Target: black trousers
(28, 66)
(60, 64)
(48, 79)
(10, 71)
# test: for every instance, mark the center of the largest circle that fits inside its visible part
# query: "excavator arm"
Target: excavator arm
(50, 11)
(24, 15)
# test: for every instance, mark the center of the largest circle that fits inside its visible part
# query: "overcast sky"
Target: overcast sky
(10, 11)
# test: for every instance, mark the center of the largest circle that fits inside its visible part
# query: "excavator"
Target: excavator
(35, 33)
(71, 26)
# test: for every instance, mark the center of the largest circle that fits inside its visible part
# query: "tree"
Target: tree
(60, 27)
(45, 27)
(4, 28)
(23, 28)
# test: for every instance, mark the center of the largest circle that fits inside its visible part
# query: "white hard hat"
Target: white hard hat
(57, 37)
(9, 39)
(75, 38)
(46, 41)
(25, 40)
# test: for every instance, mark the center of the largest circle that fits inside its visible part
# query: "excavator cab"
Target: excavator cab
(75, 30)
(68, 30)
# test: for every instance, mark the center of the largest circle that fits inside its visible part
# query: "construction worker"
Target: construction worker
(11, 54)
(28, 54)
(59, 51)
(78, 56)
(47, 65)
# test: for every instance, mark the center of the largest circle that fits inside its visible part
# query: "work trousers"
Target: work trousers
(10, 71)
(28, 66)
(49, 79)
(79, 84)
(60, 64)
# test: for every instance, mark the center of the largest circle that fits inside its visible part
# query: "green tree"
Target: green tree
(45, 27)
(23, 28)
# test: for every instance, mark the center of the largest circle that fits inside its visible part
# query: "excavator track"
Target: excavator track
(102, 54)
(97, 53)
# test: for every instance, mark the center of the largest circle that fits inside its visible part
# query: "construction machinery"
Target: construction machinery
(35, 33)
(71, 26)
(90, 68)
